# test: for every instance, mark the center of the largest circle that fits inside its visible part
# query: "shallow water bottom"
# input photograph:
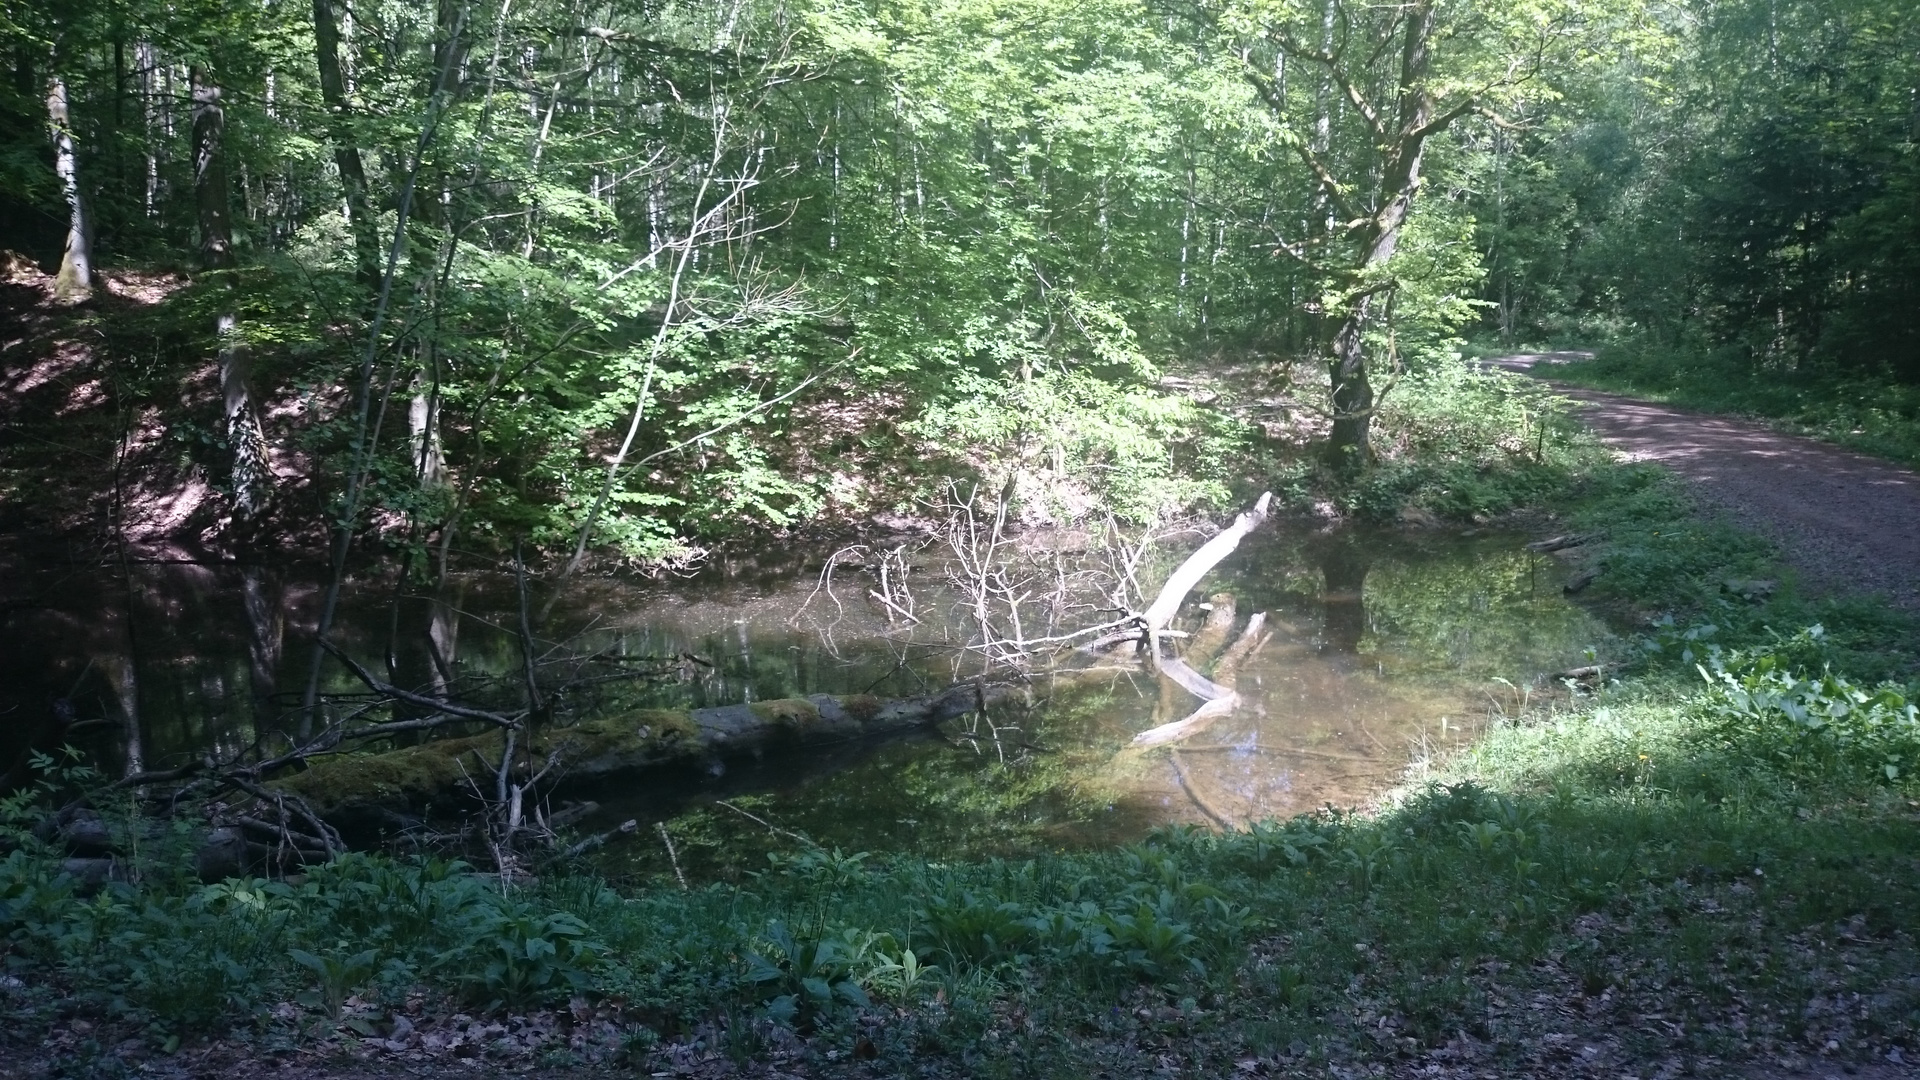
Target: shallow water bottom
(1383, 648)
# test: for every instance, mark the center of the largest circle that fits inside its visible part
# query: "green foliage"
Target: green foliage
(976, 929)
(338, 976)
(53, 774)
(1465, 442)
(518, 954)
(1726, 199)
(658, 317)
(1593, 812)
(804, 980)
(1079, 448)
(1448, 410)
(1821, 725)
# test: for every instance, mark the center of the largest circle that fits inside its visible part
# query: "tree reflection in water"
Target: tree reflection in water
(1344, 562)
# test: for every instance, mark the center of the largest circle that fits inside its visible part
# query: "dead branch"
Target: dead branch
(672, 855)
(1218, 698)
(421, 701)
(597, 839)
(771, 827)
(892, 607)
(1558, 543)
(1198, 564)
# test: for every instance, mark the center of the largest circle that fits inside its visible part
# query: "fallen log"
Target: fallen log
(1210, 639)
(1557, 543)
(1213, 633)
(1192, 724)
(601, 749)
(1586, 672)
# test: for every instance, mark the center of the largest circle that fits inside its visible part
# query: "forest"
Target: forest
(647, 535)
(637, 280)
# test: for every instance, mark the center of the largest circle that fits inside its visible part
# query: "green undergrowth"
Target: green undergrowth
(1465, 443)
(1719, 836)
(1452, 442)
(1660, 561)
(1858, 410)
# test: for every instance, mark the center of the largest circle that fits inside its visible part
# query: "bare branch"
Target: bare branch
(418, 700)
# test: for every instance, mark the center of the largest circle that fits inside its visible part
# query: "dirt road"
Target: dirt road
(1846, 522)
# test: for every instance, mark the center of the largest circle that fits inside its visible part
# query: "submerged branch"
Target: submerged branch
(421, 701)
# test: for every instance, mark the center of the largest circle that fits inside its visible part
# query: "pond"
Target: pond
(1385, 647)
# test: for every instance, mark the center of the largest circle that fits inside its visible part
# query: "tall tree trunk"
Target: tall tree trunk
(252, 478)
(1413, 120)
(123, 674)
(423, 412)
(423, 428)
(346, 152)
(1349, 446)
(74, 283)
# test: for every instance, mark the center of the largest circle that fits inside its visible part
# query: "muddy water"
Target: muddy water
(1384, 648)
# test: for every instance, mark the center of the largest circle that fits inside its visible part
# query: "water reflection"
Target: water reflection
(1382, 644)
(1344, 562)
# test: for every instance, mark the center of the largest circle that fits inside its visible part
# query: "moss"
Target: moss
(792, 714)
(642, 731)
(409, 775)
(415, 775)
(862, 707)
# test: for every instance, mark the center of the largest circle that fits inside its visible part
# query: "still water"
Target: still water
(1385, 648)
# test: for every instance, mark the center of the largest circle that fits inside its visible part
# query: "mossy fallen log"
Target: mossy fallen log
(442, 772)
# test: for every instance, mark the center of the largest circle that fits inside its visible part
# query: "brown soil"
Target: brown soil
(1847, 523)
(105, 408)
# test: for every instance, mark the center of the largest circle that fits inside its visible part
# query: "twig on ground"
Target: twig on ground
(628, 826)
(672, 855)
(770, 825)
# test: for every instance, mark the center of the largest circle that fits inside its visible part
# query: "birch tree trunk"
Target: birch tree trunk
(266, 633)
(252, 478)
(74, 283)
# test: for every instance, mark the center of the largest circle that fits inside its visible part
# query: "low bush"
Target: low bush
(1817, 725)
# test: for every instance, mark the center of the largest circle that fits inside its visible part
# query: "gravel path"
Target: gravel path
(1848, 523)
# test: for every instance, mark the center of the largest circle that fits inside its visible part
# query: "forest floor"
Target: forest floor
(1846, 522)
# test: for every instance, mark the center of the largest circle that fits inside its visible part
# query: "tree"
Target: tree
(1357, 91)
(1744, 190)
(74, 282)
(252, 477)
(346, 149)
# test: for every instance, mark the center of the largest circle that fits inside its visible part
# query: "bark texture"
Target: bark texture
(1404, 132)
(74, 282)
(346, 151)
(252, 479)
